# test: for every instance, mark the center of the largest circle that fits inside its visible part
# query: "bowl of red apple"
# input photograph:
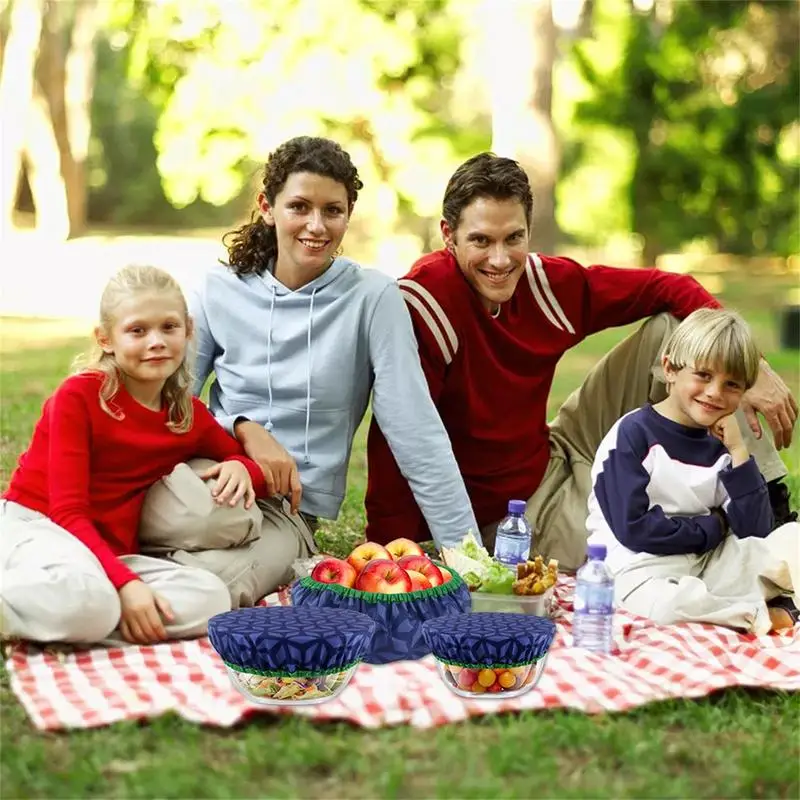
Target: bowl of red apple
(396, 585)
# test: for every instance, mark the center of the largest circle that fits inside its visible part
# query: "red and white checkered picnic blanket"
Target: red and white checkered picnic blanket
(101, 686)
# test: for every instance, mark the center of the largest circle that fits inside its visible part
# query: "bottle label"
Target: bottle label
(594, 600)
(512, 551)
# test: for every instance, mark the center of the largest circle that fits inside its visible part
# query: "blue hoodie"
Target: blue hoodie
(302, 364)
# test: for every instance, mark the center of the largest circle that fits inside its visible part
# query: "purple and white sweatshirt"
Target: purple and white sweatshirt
(655, 483)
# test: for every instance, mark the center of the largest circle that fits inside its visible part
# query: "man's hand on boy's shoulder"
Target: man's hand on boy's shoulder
(770, 396)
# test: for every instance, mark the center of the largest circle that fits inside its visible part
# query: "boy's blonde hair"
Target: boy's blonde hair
(716, 338)
(177, 391)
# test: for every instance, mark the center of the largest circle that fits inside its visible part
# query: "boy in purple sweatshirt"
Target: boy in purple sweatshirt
(679, 501)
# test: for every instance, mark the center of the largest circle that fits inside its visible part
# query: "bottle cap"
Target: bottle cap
(516, 506)
(596, 552)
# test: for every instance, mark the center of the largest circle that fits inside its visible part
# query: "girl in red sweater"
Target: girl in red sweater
(69, 557)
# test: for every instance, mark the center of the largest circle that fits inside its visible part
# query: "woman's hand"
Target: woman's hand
(142, 612)
(233, 483)
(279, 468)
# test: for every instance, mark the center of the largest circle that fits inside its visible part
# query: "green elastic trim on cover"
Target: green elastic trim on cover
(443, 590)
(282, 673)
(488, 666)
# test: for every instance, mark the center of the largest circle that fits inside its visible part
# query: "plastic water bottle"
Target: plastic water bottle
(513, 542)
(593, 621)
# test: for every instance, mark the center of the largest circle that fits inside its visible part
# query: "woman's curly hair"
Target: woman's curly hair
(252, 246)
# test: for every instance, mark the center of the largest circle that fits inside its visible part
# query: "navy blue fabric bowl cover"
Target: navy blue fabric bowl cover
(485, 640)
(399, 616)
(285, 640)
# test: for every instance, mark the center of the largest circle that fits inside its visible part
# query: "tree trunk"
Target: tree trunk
(80, 73)
(16, 92)
(67, 83)
(521, 47)
(44, 171)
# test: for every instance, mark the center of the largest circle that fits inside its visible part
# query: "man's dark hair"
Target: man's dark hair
(486, 175)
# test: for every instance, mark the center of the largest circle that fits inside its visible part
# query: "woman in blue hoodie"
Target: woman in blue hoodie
(298, 337)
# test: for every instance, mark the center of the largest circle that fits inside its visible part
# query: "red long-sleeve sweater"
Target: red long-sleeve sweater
(490, 377)
(89, 472)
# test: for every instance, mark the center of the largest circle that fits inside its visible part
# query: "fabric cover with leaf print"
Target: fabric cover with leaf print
(291, 639)
(489, 639)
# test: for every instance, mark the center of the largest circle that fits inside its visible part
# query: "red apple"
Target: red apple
(424, 565)
(403, 547)
(334, 570)
(418, 581)
(384, 576)
(446, 575)
(367, 551)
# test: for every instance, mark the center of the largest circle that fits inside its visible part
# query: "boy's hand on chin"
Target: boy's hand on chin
(727, 430)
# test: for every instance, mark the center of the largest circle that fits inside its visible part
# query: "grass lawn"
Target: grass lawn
(733, 744)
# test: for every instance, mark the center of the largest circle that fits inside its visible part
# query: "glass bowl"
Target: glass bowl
(289, 690)
(491, 682)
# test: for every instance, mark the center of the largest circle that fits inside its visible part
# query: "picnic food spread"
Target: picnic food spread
(382, 604)
(491, 654)
(289, 655)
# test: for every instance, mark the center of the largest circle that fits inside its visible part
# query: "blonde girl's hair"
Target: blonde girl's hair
(716, 338)
(177, 391)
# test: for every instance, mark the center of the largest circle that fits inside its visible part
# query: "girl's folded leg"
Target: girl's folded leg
(194, 595)
(53, 589)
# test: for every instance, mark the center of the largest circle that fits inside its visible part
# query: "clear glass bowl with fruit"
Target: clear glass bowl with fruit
(283, 656)
(490, 654)
(290, 689)
(505, 681)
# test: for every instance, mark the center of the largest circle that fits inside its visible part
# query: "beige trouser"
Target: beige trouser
(726, 586)
(626, 378)
(53, 588)
(251, 551)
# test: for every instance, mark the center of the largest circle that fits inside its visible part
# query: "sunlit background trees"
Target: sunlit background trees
(647, 126)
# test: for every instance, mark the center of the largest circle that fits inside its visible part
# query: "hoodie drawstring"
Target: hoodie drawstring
(268, 426)
(306, 458)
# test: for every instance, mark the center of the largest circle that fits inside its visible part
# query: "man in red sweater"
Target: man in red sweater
(492, 321)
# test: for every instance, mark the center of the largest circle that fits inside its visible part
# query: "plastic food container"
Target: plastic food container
(537, 605)
(281, 656)
(490, 655)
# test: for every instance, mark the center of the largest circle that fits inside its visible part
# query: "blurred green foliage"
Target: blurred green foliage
(707, 106)
(682, 131)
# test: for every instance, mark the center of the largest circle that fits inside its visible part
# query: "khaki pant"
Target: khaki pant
(53, 588)
(251, 551)
(726, 586)
(626, 378)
